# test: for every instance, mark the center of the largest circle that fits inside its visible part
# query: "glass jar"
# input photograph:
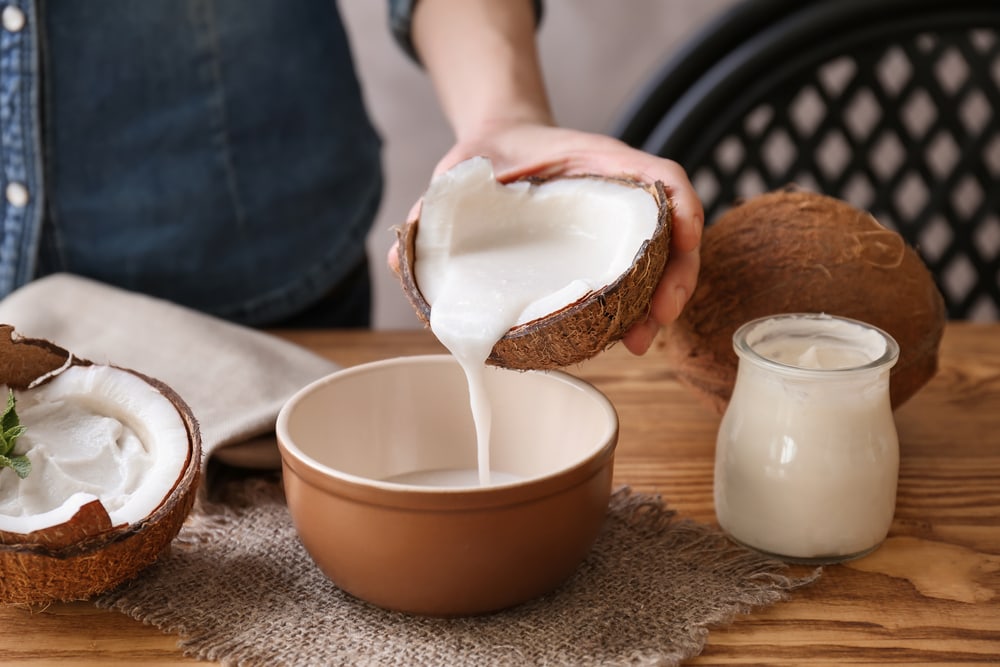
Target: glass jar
(807, 456)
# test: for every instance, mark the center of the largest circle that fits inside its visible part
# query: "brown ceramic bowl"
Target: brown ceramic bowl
(446, 550)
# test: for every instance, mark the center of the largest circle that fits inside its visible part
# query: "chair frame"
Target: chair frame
(741, 58)
(756, 36)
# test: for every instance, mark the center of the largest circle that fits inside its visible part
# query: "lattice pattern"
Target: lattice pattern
(908, 131)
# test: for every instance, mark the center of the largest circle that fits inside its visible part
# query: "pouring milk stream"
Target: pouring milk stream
(494, 256)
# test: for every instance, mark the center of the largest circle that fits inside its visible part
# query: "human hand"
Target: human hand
(529, 149)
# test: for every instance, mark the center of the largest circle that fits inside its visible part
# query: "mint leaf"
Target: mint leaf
(10, 430)
(19, 464)
(11, 435)
(9, 419)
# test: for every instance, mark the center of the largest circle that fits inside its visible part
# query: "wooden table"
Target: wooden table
(930, 594)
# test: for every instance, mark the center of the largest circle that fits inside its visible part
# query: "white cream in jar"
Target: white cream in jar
(807, 456)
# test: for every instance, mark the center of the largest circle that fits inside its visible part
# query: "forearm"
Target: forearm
(483, 61)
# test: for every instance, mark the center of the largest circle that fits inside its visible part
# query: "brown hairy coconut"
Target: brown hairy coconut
(580, 329)
(87, 554)
(792, 251)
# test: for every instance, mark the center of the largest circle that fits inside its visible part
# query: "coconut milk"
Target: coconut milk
(451, 478)
(807, 454)
(489, 260)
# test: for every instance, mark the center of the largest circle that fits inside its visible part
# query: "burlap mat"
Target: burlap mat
(239, 588)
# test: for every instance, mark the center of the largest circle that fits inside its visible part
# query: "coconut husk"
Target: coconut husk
(87, 555)
(790, 251)
(582, 329)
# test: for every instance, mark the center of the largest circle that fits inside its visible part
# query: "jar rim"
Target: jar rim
(745, 350)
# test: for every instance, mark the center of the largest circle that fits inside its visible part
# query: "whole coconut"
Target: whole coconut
(791, 251)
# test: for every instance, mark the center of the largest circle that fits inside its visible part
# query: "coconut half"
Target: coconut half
(594, 246)
(115, 459)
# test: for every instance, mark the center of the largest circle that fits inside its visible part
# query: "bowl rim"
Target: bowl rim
(456, 497)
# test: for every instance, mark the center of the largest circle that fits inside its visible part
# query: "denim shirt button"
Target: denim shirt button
(16, 194)
(12, 18)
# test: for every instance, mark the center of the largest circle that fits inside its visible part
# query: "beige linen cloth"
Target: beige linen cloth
(237, 586)
(235, 379)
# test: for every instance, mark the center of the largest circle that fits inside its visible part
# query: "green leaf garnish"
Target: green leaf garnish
(10, 431)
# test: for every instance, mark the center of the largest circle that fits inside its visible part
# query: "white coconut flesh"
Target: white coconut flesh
(92, 432)
(490, 256)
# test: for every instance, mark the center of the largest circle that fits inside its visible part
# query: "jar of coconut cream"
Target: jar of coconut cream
(807, 456)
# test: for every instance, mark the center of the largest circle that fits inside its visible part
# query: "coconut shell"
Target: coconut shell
(582, 329)
(87, 556)
(785, 252)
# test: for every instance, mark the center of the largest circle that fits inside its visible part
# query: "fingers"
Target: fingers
(688, 216)
(675, 287)
(680, 276)
(671, 295)
(392, 257)
(640, 337)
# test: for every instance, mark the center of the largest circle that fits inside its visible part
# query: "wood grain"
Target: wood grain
(929, 595)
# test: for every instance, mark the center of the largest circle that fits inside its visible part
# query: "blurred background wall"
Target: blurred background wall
(595, 55)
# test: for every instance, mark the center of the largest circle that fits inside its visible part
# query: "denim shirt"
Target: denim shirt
(216, 153)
